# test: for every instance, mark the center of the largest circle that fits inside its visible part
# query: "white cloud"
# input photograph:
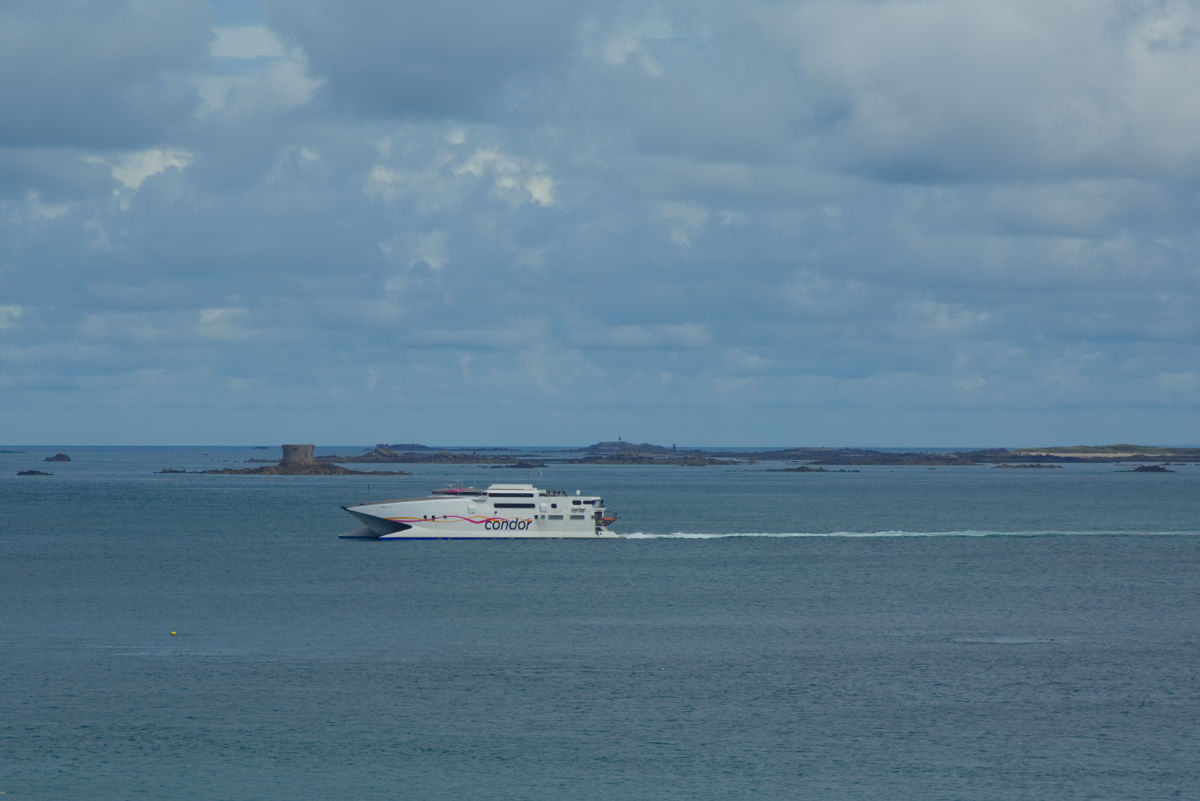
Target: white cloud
(431, 249)
(132, 169)
(975, 88)
(745, 360)
(1182, 382)
(808, 289)
(97, 236)
(135, 327)
(9, 315)
(225, 324)
(246, 42)
(1086, 207)
(36, 210)
(739, 387)
(507, 332)
(662, 335)
(1070, 374)
(684, 221)
(415, 167)
(550, 370)
(541, 189)
(287, 84)
(516, 181)
(268, 77)
(970, 385)
(929, 319)
(636, 44)
(384, 183)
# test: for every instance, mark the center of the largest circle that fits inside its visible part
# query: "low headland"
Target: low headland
(298, 460)
(301, 460)
(628, 453)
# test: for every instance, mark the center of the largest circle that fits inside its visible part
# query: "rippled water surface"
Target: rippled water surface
(900, 633)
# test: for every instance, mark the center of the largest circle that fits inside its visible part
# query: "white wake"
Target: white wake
(688, 535)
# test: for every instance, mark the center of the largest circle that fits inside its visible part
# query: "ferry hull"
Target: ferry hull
(418, 533)
(384, 529)
(486, 516)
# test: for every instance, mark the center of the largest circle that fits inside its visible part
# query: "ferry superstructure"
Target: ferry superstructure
(502, 511)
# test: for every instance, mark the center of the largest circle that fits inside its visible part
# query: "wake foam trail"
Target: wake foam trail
(686, 535)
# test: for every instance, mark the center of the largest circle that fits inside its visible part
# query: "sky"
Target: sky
(890, 223)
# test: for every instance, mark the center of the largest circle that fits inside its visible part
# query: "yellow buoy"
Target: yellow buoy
(172, 634)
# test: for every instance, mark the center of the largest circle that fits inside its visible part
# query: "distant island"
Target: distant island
(419, 454)
(297, 460)
(627, 453)
(600, 453)
(1028, 466)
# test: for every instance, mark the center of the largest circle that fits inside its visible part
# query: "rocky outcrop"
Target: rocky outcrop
(316, 469)
(58, 457)
(621, 452)
(1034, 466)
(388, 454)
(807, 469)
(298, 460)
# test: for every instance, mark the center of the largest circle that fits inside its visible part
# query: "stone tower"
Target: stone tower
(297, 455)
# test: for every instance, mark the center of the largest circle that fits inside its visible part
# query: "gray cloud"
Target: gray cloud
(960, 91)
(977, 218)
(103, 75)
(387, 59)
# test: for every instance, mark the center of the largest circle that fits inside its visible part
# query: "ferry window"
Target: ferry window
(515, 505)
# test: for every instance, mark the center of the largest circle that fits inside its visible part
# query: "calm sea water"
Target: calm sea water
(905, 633)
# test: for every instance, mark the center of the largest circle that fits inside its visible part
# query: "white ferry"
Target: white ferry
(502, 511)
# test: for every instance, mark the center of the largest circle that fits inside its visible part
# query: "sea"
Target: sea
(962, 633)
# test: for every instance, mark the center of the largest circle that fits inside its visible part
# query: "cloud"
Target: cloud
(685, 335)
(1186, 382)
(104, 75)
(261, 76)
(34, 210)
(132, 169)
(602, 216)
(929, 319)
(949, 90)
(430, 249)
(451, 57)
(511, 179)
(225, 324)
(634, 44)
(9, 314)
(684, 221)
(246, 42)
